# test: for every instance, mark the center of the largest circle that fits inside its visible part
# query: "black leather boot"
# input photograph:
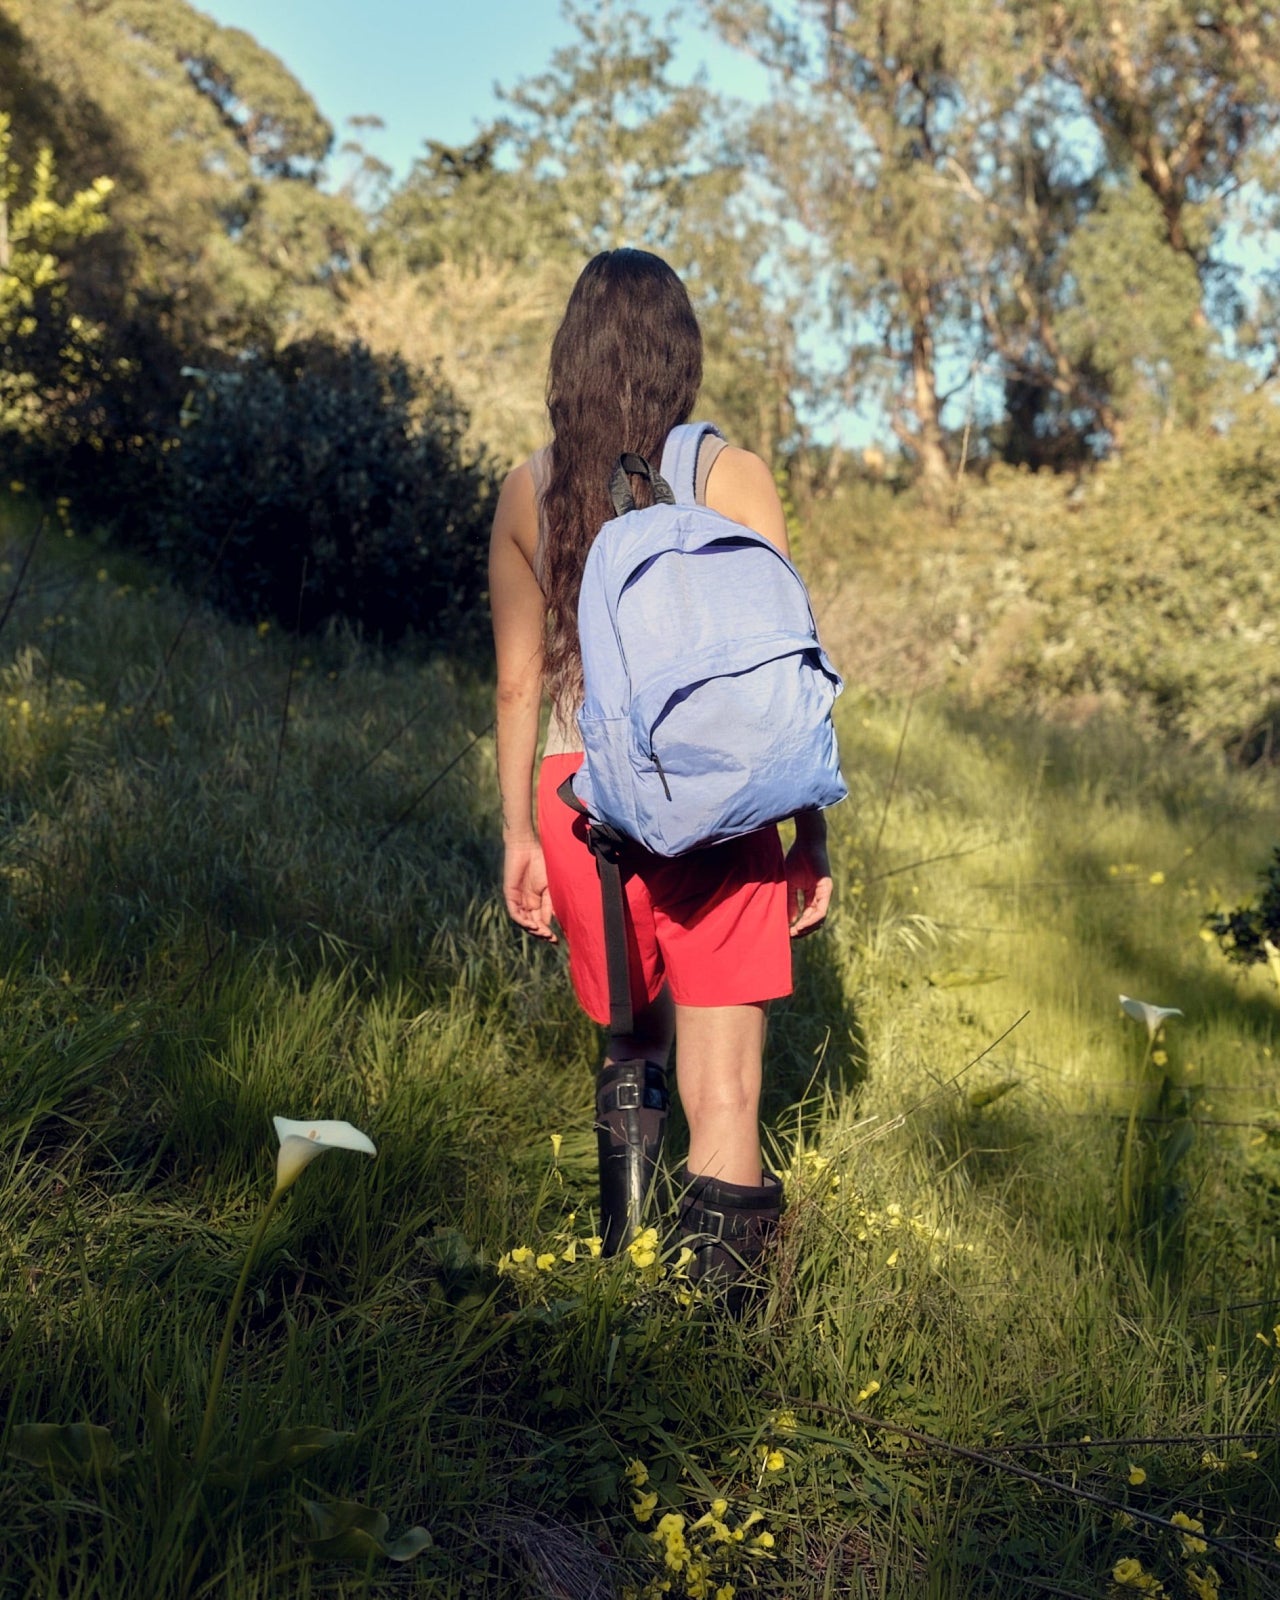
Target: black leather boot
(728, 1227)
(631, 1117)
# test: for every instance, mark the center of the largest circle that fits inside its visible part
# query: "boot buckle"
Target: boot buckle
(627, 1097)
(705, 1215)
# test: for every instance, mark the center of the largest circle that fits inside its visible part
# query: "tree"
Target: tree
(47, 352)
(1184, 92)
(474, 255)
(628, 155)
(219, 232)
(877, 118)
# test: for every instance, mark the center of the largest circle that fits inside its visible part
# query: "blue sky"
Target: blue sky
(428, 67)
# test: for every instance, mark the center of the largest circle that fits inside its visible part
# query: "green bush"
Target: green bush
(1145, 591)
(326, 482)
(1245, 932)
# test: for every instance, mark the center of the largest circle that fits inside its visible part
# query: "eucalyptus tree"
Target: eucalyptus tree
(1185, 93)
(1182, 97)
(879, 133)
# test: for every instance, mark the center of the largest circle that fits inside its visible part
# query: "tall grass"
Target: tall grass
(966, 1379)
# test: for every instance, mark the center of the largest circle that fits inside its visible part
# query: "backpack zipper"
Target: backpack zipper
(666, 788)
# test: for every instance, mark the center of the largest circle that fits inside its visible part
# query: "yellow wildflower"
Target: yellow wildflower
(1137, 1475)
(872, 1388)
(1203, 1583)
(570, 1251)
(1156, 877)
(545, 1261)
(1129, 1574)
(644, 1505)
(1191, 1545)
(556, 1141)
(637, 1473)
(1160, 1058)
(670, 1532)
(785, 1422)
(643, 1249)
(719, 1507)
(594, 1245)
(726, 1591)
(893, 1259)
(763, 1541)
(772, 1460)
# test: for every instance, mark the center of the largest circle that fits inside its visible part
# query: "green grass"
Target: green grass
(212, 911)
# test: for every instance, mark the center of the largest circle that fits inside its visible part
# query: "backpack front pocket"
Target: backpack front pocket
(741, 749)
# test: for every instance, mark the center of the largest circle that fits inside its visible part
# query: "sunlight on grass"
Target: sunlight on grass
(967, 1376)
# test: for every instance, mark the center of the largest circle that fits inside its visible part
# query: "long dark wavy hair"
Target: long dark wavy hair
(626, 366)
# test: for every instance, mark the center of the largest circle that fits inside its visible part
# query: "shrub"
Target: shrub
(1243, 934)
(326, 482)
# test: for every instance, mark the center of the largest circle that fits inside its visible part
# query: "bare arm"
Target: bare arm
(518, 621)
(741, 487)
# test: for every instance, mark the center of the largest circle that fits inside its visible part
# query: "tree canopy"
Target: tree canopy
(1026, 222)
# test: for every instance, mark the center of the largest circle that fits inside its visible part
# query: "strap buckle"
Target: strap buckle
(705, 1216)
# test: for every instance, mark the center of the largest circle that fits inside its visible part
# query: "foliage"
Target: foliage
(217, 224)
(1244, 932)
(1144, 591)
(473, 256)
(325, 483)
(965, 171)
(236, 879)
(218, 237)
(1134, 320)
(48, 353)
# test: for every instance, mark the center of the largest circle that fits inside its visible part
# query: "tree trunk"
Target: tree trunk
(927, 441)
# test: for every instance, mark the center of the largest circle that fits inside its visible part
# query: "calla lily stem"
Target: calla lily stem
(228, 1332)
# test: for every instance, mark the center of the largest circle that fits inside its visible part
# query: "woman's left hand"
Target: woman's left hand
(808, 873)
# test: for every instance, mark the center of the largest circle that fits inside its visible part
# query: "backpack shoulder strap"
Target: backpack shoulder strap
(680, 459)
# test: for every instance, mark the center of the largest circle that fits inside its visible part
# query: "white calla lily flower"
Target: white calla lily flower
(1144, 1011)
(302, 1142)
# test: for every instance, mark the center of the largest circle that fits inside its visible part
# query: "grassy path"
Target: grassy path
(231, 886)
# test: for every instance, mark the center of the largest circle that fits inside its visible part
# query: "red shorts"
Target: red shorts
(711, 925)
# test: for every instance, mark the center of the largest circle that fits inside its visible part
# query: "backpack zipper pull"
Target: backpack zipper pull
(666, 788)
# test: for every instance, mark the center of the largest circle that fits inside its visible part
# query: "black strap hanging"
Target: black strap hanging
(605, 844)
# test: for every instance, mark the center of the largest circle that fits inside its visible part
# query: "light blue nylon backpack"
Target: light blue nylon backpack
(707, 710)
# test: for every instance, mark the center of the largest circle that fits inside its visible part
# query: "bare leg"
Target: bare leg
(720, 1069)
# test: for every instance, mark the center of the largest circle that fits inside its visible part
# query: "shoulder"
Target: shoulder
(516, 515)
(741, 487)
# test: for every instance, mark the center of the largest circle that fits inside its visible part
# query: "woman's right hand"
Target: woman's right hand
(524, 888)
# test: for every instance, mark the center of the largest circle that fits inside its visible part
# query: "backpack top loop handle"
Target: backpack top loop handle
(620, 489)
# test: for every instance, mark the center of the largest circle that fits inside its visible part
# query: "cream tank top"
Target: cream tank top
(563, 737)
